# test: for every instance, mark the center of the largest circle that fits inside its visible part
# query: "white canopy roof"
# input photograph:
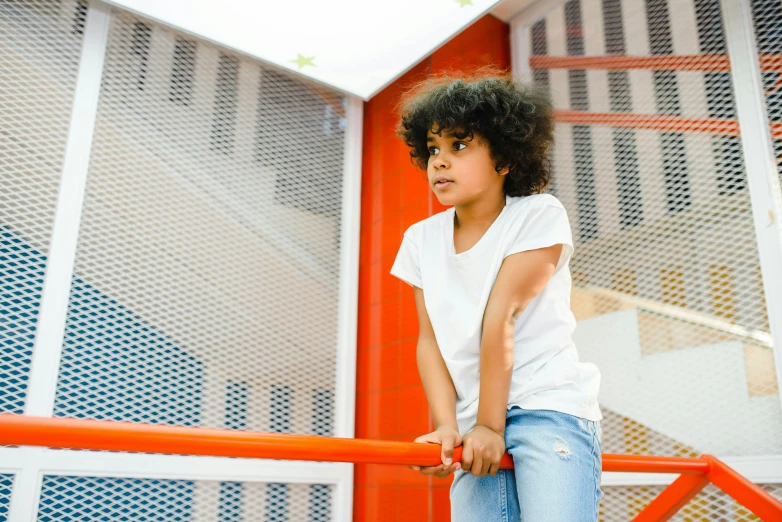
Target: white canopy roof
(356, 46)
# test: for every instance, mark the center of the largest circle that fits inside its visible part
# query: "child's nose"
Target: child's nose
(440, 162)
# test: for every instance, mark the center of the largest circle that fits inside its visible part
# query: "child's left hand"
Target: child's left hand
(483, 450)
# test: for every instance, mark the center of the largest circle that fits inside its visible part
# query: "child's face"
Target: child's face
(461, 171)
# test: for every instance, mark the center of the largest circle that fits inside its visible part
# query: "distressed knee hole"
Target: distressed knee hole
(561, 449)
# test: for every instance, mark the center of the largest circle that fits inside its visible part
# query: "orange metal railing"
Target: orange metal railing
(696, 473)
(696, 62)
(769, 63)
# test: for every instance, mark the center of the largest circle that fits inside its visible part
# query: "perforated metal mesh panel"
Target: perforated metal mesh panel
(40, 43)
(711, 505)
(206, 281)
(91, 499)
(6, 483)
(767, 15)
(667, 285)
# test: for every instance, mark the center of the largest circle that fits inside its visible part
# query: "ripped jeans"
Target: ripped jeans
(558, 465)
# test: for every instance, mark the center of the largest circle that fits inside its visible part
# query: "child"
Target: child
(492, 290)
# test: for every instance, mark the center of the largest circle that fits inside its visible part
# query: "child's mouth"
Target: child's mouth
(443, 183)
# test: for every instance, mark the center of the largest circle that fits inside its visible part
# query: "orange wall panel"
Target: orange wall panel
(390, 401)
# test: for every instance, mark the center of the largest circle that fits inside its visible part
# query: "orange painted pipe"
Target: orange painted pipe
(658, 122)
(701, 62)
(154, 438)
(81, 434)
(62, 433)
(677, 495)
(650, 464)
(748, 494)
(698, 62)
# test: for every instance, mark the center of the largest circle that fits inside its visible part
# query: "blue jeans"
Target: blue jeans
(558, 465)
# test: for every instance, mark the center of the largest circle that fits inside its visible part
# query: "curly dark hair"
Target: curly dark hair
(516, 121)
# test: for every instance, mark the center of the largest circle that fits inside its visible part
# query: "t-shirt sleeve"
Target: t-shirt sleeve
(543, 227)
(407, 264)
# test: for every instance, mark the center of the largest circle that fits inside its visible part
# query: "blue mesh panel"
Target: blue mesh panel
(88, 499)
(6, 482)
(231, 494)
(117, 367)
(21, 281)
(277, 503)
(320, 503)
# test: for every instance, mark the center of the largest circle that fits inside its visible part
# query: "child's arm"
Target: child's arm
(438, 386)
(440, 394)
(521, 277)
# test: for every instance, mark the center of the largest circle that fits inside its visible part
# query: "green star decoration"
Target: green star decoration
(464, 3)
(303, 61)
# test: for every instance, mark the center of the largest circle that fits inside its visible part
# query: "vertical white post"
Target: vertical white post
(26, 488)
(762, 175)
(62, 250)
(345, 399)
(25, 494)
(520, 51)
(520, 27)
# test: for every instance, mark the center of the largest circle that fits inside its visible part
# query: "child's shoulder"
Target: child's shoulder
(433, 221)
(535, 201)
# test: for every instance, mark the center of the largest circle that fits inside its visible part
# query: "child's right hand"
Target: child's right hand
(449, 438)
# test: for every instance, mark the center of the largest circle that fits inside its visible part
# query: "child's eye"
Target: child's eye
(459, 144)
(433, 150)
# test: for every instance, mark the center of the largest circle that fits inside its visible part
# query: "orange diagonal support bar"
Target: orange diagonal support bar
(698, 62)
(673, 498)
(750, 495)
(658, 122)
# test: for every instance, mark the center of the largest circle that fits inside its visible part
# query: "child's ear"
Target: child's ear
(502, 171)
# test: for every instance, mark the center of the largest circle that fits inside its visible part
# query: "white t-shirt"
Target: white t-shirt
(547, 374)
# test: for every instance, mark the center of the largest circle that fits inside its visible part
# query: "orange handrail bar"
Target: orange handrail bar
(154, 438)
(151, 438)
(658, 122)
(697, 62)
(702, 62)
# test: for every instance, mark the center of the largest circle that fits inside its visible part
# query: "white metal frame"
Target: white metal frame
(762, 175)
(53, 311)
(175, 467)
(345, 415)
(30, 464)
(763, 184)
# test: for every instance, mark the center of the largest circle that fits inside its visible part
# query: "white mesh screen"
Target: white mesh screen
(622, 503)
(93, 499)
(767, 15)
(40, 44)
(667, 285)
(6, 482)
(206, 281)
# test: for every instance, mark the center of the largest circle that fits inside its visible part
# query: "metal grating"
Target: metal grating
(39, 56)
(667, 285)
(102, 499)
(206, 281)
(767, 15)
(623, 503)
(6, 483)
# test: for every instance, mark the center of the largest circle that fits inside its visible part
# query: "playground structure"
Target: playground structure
(159, 239)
